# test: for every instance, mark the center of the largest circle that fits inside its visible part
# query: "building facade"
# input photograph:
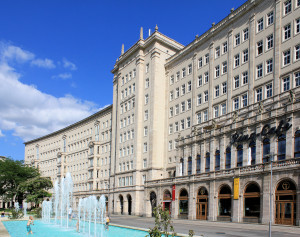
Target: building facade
(194, 128)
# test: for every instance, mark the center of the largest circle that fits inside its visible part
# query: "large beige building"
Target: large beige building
(194, 127)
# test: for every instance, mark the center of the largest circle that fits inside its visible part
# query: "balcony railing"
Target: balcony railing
(238, 171)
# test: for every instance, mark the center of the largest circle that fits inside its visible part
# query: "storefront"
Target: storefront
(183, 204)
(167, 201)
(224, 204)
(202, 204)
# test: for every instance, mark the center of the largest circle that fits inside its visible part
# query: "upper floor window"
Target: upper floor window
(183, 89)
(183, 72)
(260, 46)
(206, 58)
(224, 87)
(171, 79)
(270, 41)
(217, 71)
(200, 80)
(297, 79)
(270, 18)
(205, 96)
(269, 90)
(287, 7)
(189, 86)
(206, 78)
(297, 144)
(286, 83)
(237, 60)
(297, 26)
(286, 57)
(281, 147)
(260, 24)
(269, 65)
(245, 55)
(236, 103)
(223, 109)
(217, 160)
(237, 81)
(207, 162)
(266, 150)
(198, 164)
(147, 83)
(225, 47)
(218, 53)
(237, 39)
(245, 34)
(245, 77)
(287, 32)
(297, 52)
(244, 100)
(259, 70)
(147, 67)
(189, 69)
(217, 91)
(177, 76)
(216, 111)
(252, 147)
(200, 63)
(224, 67)
(228, 158)
(258, 94)
(146, 99)
(239, 152)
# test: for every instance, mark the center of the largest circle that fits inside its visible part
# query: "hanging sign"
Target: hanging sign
(236, 188)
(173, 192)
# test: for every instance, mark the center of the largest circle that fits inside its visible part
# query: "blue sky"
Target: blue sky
(56, 56)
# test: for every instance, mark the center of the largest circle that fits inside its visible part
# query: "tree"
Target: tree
(12, 174)
(35, 189)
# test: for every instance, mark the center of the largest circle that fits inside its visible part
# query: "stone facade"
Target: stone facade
(194, 127)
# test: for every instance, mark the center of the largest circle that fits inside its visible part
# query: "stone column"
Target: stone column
(290, 140)
(237, 206)
(222, 152)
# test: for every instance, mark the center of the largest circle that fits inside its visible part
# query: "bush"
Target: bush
(37, 212)
(16, 214)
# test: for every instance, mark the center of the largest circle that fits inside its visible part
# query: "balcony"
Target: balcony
(288, 164)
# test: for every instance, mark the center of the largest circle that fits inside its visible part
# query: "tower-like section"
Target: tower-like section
(139, 119)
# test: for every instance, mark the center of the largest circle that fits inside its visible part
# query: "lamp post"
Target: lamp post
(270, 223)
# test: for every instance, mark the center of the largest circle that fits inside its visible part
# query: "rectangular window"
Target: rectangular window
(199, 118)
(147, 83)
(146, 115)
(183, 89)
(217, 91)
(245, 34)
(170, 145)
(206, 58)
(245, 100)
(270, 18)
(189, 104)
(189, 86)
(260, 24)
(260, 47)
(236, 82)
(286, 83)
(286, 57)
(170, 128)
(224, 67)
(206, 77)
(188, 122)
(146, 131)
(297, 52)
(200, 63)
(199, 99)
(189, 69)
(205, 115)
(225, 47)
(145, 147)
(216, 111)
(269, 65)
(224, 87)
(287, 32)
(177, 76)
(269, 90)
(297, 26)
(205, 96)
(183, 106)
(176, 109)
(177, 92)
(146, 99)
(270, 41)
(259, 71)
(287, 7)
(223, 109)
(237, 39)
(199, 80)
(172, 80)
(218, 52)
(182, 124)
(171, 112)
(171, 95)
(237, 60)
(245, 55)
(147, 68)
(245, 77)
(183, 72)
(176, 127)
(297, 79)
(217, 71)
(236, 103)
(258, 94)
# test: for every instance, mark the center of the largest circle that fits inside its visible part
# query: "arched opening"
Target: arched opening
(217, 160)
(198, 164)
(266, 150)
(106, 203)
(285, 202)
(252, 203)
(297, 144)
(183, 204)
(190, 165)
(207, 162)
(152, 202)
(121, 204)
(239, 152)
(202, 201)
(252, 147)
(224, 210)
(167, 201)
(228, 158)
(281, 147)
(129, 201)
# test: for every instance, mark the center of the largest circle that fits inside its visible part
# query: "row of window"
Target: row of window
(185, 88)
(125, 166)
(125, 181)
(127, 136)
(128, 77)
(286, 55)
(128, 106)
(287, 29)
(128, 91)
(266, 151)
(184, 106)
(126, 151)
(127, 121)
(183, 124)
(184, 72)
(287, 6)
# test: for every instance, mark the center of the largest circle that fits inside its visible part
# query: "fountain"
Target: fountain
(91, 211)
(25, 206)
(17, 207)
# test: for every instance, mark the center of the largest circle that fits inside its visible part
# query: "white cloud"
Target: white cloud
(30, 113)
(1, 134)
(69, 65)
(44, 63)
(10, 53)
(63, 76)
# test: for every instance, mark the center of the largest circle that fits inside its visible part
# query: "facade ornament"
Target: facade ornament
(141, 33)
(235, 116)
(292, 98)
(122, 50)
(156, 28)
(260, 108)
(213, 124)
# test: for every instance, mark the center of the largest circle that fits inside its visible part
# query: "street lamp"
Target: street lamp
(271, 156)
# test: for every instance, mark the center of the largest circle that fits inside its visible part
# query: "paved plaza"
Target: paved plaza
(211, 229)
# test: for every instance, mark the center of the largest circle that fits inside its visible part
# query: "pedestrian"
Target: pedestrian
(107, 220)
(30, 222)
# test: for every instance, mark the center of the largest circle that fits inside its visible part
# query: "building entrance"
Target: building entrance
(285, 203)
(202, 201)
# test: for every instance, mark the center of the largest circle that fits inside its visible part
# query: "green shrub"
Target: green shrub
(16, 214)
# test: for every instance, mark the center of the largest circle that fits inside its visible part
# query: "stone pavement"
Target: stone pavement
(3, 231)
(211, 229)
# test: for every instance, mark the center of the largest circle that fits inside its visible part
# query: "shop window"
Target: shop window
(266, 150)
(224, 204)
(252, 203)
(183, 204)
(281, 147)
(297, 144)
(239, 156)
(217, 160)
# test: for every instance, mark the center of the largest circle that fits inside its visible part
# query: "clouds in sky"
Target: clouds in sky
(27, 111)
(69, 65)
(63, 76)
